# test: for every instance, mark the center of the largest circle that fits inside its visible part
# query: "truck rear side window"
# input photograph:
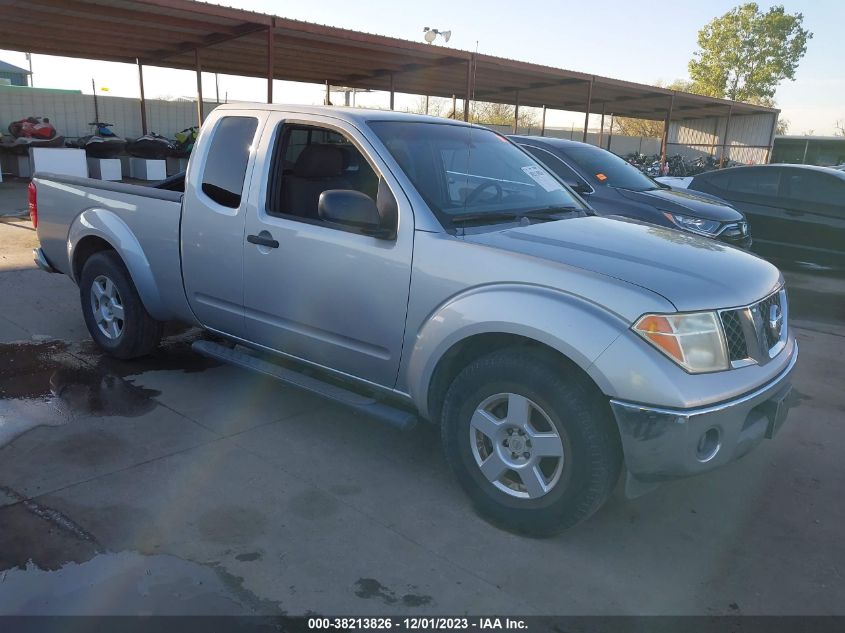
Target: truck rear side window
(228, 155)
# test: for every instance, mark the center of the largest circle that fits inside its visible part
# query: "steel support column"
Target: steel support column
(601, 126)
(610, 133)
(516, 113)
(200, 116)
(328, 99)
(664, 141)
(589, 105)
(392, 91)
(772, 137)
(725, 137)
(543, 123)
(143, 99)
(271, 57)
(468, 93)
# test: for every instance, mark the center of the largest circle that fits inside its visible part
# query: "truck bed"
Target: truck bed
(141, 223)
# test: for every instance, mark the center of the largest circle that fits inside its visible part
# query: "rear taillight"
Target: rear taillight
(33, 205)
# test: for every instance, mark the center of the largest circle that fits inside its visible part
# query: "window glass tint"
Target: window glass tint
(811, 186)
(225, 167)
(760, 182)
(460, 169)
(607, 169)
(715, 179)
(310, 160)
(552, 162)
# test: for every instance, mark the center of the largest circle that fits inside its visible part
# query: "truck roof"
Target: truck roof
(352, 115)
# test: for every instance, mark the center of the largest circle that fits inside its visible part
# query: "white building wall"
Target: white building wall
(71, 113)
(621, 145)
(703, 137)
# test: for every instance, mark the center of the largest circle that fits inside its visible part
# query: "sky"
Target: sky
(643, 41)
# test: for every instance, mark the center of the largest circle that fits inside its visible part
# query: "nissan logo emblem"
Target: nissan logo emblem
(775, 322)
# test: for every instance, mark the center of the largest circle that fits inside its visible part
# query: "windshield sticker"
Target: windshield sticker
(542, 178)
(601, 177)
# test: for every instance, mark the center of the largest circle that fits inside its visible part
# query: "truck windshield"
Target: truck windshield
(607, 169)
(463, 171)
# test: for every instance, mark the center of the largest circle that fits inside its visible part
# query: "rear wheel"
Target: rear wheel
(533, 447)
(113, 312)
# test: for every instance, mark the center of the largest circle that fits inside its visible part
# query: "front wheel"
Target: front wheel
(535, 450)
(113, 312)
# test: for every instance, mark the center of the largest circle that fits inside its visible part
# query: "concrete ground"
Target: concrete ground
(175, 485)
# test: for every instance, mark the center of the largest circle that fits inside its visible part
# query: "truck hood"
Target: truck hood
(685, 203)
(691, 272)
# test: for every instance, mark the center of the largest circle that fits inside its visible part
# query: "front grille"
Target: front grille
(764, 307)
(737, 348)
(752, 333)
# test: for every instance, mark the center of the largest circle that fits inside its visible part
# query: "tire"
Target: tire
(130, 332)
(569, 488)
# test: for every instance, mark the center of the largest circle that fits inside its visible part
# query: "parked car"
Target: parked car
(612, 186)
(422, 268)
(797, 211)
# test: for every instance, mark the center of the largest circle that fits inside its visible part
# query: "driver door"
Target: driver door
(325, 294)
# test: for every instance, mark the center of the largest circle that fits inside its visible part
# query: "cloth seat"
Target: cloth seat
(318, 168)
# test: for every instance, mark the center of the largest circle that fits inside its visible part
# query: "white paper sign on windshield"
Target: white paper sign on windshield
(542, 178)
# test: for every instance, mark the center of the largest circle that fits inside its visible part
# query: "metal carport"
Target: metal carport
(205, 37)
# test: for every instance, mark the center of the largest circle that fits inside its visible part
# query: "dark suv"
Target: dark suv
(612, 186)
(797, 211)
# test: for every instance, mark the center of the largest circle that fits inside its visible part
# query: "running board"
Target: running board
(401, 419)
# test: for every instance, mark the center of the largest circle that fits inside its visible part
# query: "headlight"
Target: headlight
(696, 225)
(694, 341)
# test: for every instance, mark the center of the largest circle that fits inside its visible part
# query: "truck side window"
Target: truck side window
(309, 160)
(228, 155)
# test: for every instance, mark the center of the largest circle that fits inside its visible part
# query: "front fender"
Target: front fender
(106, 225)
(577, 328)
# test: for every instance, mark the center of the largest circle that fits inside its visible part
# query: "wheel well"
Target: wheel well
(466, 351)
(87, 246)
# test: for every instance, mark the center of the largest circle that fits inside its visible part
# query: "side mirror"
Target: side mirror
(351, 208)
(578, 186)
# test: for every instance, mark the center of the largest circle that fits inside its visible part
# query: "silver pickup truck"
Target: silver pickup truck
(421, 268)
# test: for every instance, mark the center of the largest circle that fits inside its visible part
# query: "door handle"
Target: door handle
(260, 240)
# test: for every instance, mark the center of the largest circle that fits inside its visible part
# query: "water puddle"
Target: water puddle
(124, 583)
(51, 565)
(50, 383)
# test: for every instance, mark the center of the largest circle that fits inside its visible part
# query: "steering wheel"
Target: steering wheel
(475, 193)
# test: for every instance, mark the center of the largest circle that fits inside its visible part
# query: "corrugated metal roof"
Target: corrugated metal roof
(173, 33)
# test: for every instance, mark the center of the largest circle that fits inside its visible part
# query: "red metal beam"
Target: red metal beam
(271, 57)
(143, 100)
(209, 40)
(589, 104)
(200, 116)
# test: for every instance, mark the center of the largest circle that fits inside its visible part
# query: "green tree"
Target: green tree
(628, 126)
(487, 113)
(746, 53)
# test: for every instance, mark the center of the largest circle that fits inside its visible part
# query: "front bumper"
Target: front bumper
(662, 444)
(737, 239)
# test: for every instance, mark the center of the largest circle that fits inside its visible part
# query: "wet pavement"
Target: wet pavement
(175, 485)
